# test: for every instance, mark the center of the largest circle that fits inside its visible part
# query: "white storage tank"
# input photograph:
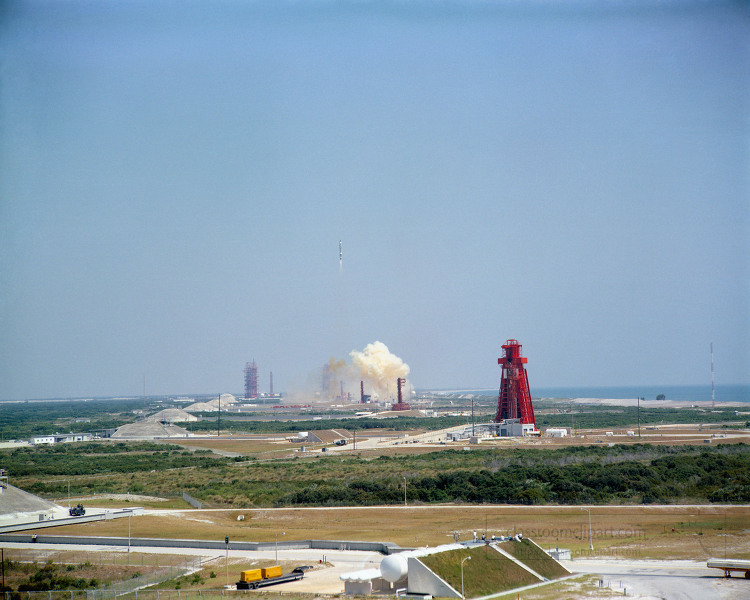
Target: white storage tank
(394, 567)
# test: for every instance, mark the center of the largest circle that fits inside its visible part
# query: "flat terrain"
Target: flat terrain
(418, 442)
(677, 532)
(647, 551)
(240, 473)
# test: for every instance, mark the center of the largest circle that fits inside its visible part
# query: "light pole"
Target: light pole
(226, 562)
(404, 490)
(639, 416)
(472, 416)
(591, 543)
(462, 576)
(572, 420)
(276, 537)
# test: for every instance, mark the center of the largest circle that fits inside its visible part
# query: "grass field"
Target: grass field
(534, 558)
(686, 532)
(488, 571)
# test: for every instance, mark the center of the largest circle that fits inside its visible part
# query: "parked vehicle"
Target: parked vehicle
(257, 578)
(77, 511)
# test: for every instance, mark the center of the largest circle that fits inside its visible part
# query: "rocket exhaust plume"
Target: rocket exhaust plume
(375, 368)
(379, 367)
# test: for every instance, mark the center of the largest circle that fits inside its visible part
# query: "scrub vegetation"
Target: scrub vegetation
(23, 420)
(90, 458)
(623, 474)
(589, 417)
(576, 475)
(32, 576)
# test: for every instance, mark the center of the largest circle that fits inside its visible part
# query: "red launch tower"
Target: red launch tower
(401, 405)
(514, 401)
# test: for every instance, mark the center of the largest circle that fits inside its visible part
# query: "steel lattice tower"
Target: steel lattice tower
(251, 380)
(514, 401)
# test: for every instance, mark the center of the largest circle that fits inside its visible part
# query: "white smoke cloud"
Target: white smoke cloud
(379, 369)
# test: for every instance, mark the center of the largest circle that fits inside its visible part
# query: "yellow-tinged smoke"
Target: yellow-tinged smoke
(379, 369)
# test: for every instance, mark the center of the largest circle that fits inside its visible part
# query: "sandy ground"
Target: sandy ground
(120, 497)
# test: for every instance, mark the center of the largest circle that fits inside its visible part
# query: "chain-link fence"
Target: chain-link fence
(121, 557)
(149, 570)
(139, 594)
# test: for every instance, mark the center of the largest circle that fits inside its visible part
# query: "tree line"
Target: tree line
(711, 476)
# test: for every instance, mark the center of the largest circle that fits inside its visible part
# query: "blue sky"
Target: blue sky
(175, 178)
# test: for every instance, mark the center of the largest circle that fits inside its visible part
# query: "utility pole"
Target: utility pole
(572, 420)
(472, 417)
(639, 416)
(591, 541)
(713, 395)
(218, 421)
(404, 490)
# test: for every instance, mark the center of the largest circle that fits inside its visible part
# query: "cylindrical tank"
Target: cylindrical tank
(393, 567)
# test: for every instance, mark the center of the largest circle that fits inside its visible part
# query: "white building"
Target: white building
(43, 439)
(559, 553)
(61, 438)
(514, 428)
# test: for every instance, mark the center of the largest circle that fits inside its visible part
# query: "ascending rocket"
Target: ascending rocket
(341, 253)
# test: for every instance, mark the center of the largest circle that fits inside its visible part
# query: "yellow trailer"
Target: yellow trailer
(251, 575)
(270, 572)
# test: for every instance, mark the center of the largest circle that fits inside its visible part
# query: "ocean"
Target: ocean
(685, 393)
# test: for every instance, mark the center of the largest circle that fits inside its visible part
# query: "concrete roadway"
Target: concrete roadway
(664, 580)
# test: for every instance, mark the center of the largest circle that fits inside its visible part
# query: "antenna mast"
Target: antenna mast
(713, 395)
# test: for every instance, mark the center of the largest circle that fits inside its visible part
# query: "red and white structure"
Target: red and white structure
(400, 405)
(514, 401)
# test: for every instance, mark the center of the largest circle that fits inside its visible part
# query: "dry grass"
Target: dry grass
(262, 448)
(276, 446)
(584, 586)
(679, 532)
(155, 503)
(255, 446)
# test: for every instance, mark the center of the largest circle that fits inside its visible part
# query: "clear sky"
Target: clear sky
(175, 178)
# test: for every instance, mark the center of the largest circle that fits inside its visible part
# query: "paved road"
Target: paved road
(667, 580)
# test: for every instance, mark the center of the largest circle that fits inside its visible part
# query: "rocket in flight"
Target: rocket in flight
(341, 254)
